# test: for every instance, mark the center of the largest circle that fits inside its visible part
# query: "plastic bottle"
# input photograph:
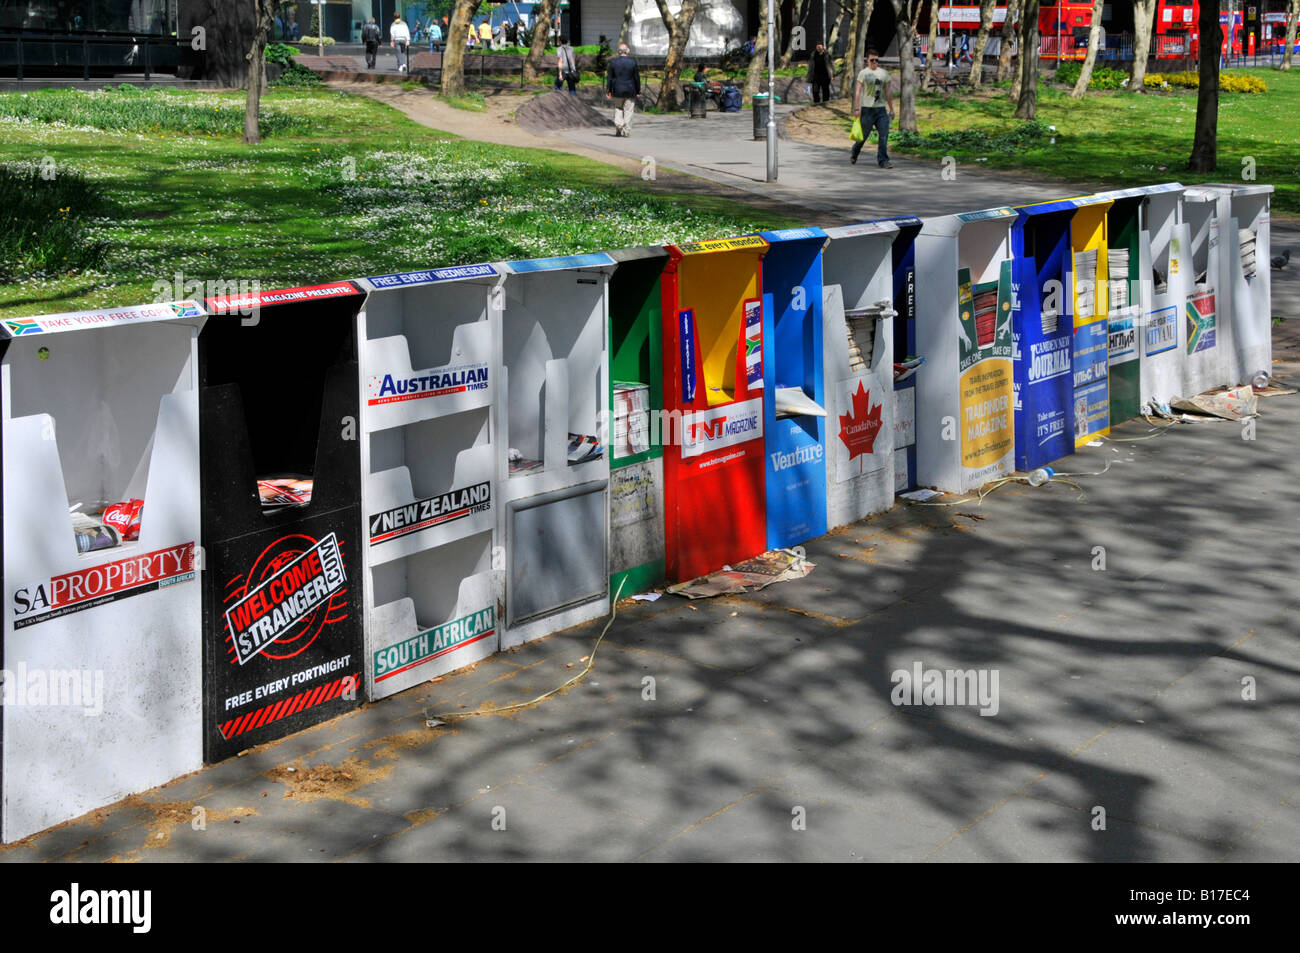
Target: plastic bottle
(1041, 476)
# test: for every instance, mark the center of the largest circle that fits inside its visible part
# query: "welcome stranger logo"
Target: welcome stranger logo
(932, 686)
(296, 587)
(93, 907)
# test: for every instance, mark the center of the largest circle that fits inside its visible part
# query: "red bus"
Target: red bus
(1063, 27)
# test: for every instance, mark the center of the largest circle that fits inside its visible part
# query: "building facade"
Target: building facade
(157, 17)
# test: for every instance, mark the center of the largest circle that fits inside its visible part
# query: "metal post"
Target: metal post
(771, 95)
(20, 57)
(900, 53)
(85, 59)
(146, 59)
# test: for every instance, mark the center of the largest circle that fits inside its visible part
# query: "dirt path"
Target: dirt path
(497, 125)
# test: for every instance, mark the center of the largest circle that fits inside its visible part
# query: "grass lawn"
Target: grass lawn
(1117, 137)
(102, 195)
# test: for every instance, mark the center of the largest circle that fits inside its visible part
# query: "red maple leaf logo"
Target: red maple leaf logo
(859, 427)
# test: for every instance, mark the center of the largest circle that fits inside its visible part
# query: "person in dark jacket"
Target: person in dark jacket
(371, 36)
(819, 74)
(623, 86)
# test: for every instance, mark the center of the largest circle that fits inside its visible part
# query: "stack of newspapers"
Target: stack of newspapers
(1117, 269)
(631, 418)
(1085, 283)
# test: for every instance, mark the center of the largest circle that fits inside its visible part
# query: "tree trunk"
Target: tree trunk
(905, 31)
(1205, 145)
(1144, 14)
(627, 23)
(1007, 34)
(266, 10)
(927, 81)
(851, 48)
(860, 46)
(453, 54)
(679, 32)
(1090, 58)
(754, 75)
(1027, 95)
(536, 64)
(987, 8)
(798, 13)
(1292, 14)
(834, 38)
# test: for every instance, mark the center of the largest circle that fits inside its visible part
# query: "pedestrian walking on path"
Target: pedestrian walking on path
(371, 36)
(566, 69)
(819, 74)
(623, 86)
(873, 109)
(399, 38)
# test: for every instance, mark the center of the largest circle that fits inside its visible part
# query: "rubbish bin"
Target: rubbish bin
(762, 109)
(794, 421)
(697, 96)
(429, 487)
(102, 658)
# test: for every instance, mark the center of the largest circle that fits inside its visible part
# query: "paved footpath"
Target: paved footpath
(820, 179)
(1119, 688)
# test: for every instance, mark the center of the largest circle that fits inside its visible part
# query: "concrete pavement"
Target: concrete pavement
(820, 179)
(769, 731)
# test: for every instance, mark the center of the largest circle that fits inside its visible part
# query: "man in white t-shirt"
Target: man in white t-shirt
(399, 38)
(871, 102)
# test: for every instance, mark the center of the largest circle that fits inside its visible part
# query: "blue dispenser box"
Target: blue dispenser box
(790, 366)
(1042, 333)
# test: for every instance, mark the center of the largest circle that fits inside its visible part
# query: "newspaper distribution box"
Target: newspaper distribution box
(553, 462)
(1207, 343)
(1088, 271)
(964, 414)
(102, 652)
(1162, 273)
(714, 498)
(282, 530)
(908, 362)
(429, 474)
(636, 464)
(858, 318)
(1130, 294)
(794, 415)
(1247, 293)
(1042, 334)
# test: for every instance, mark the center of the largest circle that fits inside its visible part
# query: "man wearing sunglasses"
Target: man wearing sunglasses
(873, 109)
